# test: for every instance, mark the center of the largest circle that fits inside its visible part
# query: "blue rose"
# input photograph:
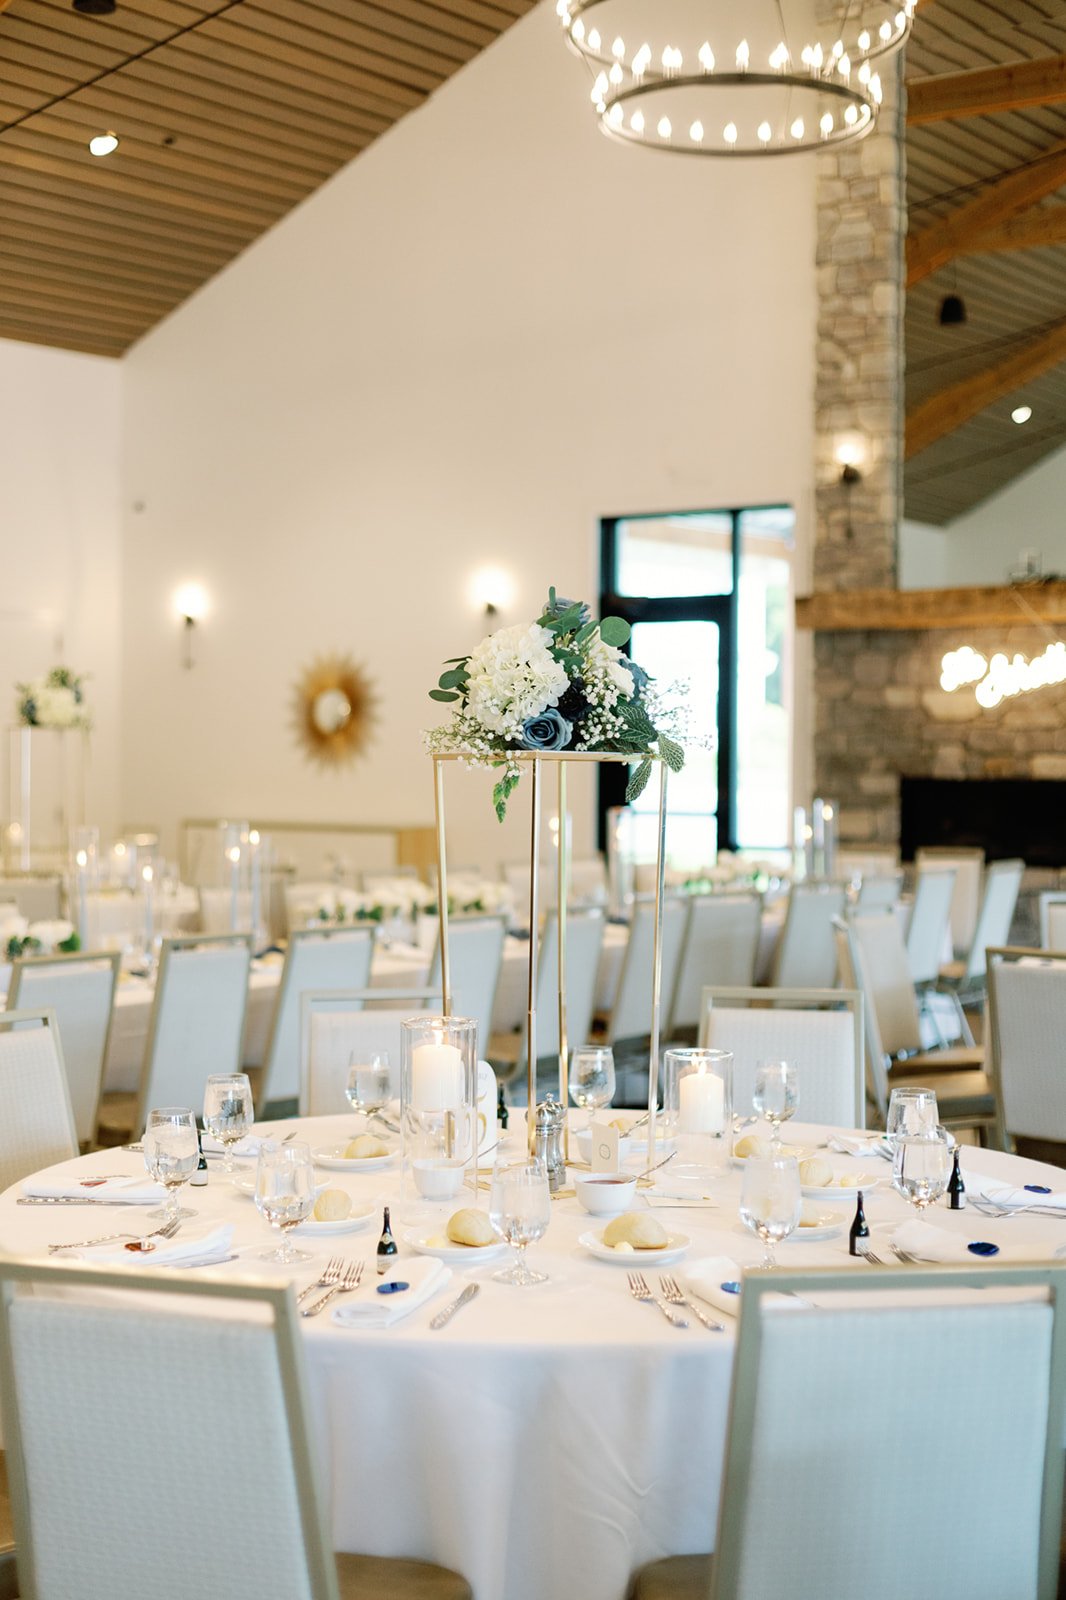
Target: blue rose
(549, 731)
(640, 678)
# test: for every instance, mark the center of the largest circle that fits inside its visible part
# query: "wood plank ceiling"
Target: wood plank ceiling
(241, 111)
(964, 381)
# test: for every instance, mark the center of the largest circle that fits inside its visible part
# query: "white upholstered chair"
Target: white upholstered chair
(326, 958)
(879, 891)
(857, 863)
(799, 1380)
(335, 1023)
(36, 1120)
(196, 1028)
(806, 956)
(720, 946)
(1003, 880)
(91, 1515)
(819, 1030)
(631, 1015)
(1027, 1062)
(1053, 919)
(80, 991)
(969, 868)
(584, 942)
(930, 920)
(475, 951)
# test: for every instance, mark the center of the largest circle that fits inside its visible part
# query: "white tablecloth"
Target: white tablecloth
(550, 1439)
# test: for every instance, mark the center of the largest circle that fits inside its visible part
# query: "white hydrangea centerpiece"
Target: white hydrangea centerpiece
(560, 683)
(57, 701)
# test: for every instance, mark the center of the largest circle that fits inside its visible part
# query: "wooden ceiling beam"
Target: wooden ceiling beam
(942, 413)
(1033, 231)
(985, 91)
(1010, 196)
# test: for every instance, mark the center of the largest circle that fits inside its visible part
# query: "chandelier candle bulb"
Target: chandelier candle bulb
(729, 133)
(765, 132)
(618, 49)
(706, 58)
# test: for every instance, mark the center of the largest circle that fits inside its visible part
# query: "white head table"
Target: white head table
(550, 1439)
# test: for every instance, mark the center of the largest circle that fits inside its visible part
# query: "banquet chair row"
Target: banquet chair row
(336, 1026)
(819, 1030)
(1026, 1029)
(93, 1517)
(1053, 919)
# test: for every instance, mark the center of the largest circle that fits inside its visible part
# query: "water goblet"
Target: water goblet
(921, 1167)
(228, 1112)
(171, 1154)
(285, 1195)
(519, 1211)
(367, 1089)
(592, 1078)
(912, 1111)
(776, 1095)
(771, 1201)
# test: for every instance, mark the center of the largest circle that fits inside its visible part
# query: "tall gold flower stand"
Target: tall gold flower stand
(540, 764)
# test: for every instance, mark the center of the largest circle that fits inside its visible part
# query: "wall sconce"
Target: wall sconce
(190, 603)
(850, 457)
(492, 590)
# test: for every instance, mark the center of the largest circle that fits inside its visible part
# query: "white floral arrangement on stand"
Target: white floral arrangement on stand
(560, 683)
(57, 701)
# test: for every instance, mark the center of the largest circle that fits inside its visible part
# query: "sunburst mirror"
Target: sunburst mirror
(333, 706)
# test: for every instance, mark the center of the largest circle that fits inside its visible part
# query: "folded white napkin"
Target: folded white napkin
(130, 1191)
(865, 1144)
(248, 1146)
(1007, 1195)
(930, 1243)
(706, 1278)
(185, 1251)
(368, 1309)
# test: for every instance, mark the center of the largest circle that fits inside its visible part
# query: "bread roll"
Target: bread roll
(366, 1147)
(816, 1173)
(639, 1229)
(751, 1148)
(333, 1205)
(471, 1227)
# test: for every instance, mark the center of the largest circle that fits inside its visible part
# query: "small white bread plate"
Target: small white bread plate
(675, 1247)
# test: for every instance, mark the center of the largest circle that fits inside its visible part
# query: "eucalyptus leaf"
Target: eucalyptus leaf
(638, 782)
(442, 694)
(585, 632)
(566, 620)
(454, 679)
(613, 630)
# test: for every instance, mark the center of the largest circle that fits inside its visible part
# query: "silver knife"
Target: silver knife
(442, 1318)
(76, 1200)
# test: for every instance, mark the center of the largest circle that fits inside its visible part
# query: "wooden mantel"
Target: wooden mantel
(919, 609)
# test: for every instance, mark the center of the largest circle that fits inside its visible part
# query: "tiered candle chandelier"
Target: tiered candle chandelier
(685, 76)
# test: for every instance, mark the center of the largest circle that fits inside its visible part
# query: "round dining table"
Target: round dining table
(550, 1439)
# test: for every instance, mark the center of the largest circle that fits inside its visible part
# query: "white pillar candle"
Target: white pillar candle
(436, 1077)
(702, 1103)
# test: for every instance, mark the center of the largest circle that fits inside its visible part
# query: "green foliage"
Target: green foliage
(442, 694)
(69, 946)
(502, 792)
(672, 753)
(614, 631)
(638, 781)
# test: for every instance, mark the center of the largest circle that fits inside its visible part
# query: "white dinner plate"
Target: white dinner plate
(830, 1225)
(333, 1157)
(675, 1246)
(837, 1191)
(360, 1216)
(467, 1255)
(800, 1151)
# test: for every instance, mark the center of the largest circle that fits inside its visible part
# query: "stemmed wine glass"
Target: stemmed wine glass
(592, 1078)
(776, 1095)
(771, 1201)
(519, 1211)
(285, 1194)
(921, 1167)
(367, 1089)
(171, 1154)
(228, 1112)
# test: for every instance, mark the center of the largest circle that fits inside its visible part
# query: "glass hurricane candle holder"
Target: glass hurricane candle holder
(438, 1103)
(698, 1107)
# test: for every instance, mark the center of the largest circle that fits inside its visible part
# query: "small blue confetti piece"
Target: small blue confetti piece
(730, 1288)
(1037, 1188)
(392, 1288)
(981, 1247)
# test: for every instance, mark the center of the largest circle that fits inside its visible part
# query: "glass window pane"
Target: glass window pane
(684, 653)
(682, 555)
(764, 678)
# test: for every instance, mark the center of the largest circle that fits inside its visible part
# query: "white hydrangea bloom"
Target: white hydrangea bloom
(512, 676)
(56, 707)
(608, 665)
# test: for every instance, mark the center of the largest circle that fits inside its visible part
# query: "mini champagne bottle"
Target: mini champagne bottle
(387, 1250)
(956, 1187)
(860, 1231)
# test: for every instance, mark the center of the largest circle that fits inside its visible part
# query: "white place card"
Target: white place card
(604, 1153)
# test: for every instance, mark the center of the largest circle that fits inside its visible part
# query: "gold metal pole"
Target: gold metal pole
(442, 888)
(657, 968)
(563, 876)
(534, 934)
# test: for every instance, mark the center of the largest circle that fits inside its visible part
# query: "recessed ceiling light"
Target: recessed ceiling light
(1021, 414)
(94, 8)
(102, 144)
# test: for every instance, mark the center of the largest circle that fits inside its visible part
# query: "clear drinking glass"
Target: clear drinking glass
(921, 1168)
(592, 1077)
(776, 1094)
(519, 1211)
(285, 1194)
(912, 1111)
(770, 1200)
(228, 1112)
(369, 1080)
(171, 1154)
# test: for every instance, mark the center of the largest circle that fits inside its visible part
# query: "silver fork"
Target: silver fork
(167, 1231)
(330, 1273)
(638, 1288)
(671, 1292)
(868, 1255)
(349, 1280)
(905, 1255)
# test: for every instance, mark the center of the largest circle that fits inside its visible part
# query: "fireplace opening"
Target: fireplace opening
(1023, 817)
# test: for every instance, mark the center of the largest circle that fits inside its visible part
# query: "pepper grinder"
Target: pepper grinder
(548, 1141)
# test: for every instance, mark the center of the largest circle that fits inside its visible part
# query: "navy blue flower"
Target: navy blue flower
(640, 678)
(549, 731)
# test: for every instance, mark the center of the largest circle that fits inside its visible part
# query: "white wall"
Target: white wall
(487, 332)
(990, 542)
(59, 517)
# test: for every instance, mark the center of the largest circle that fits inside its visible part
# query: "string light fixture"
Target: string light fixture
(680, 93)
